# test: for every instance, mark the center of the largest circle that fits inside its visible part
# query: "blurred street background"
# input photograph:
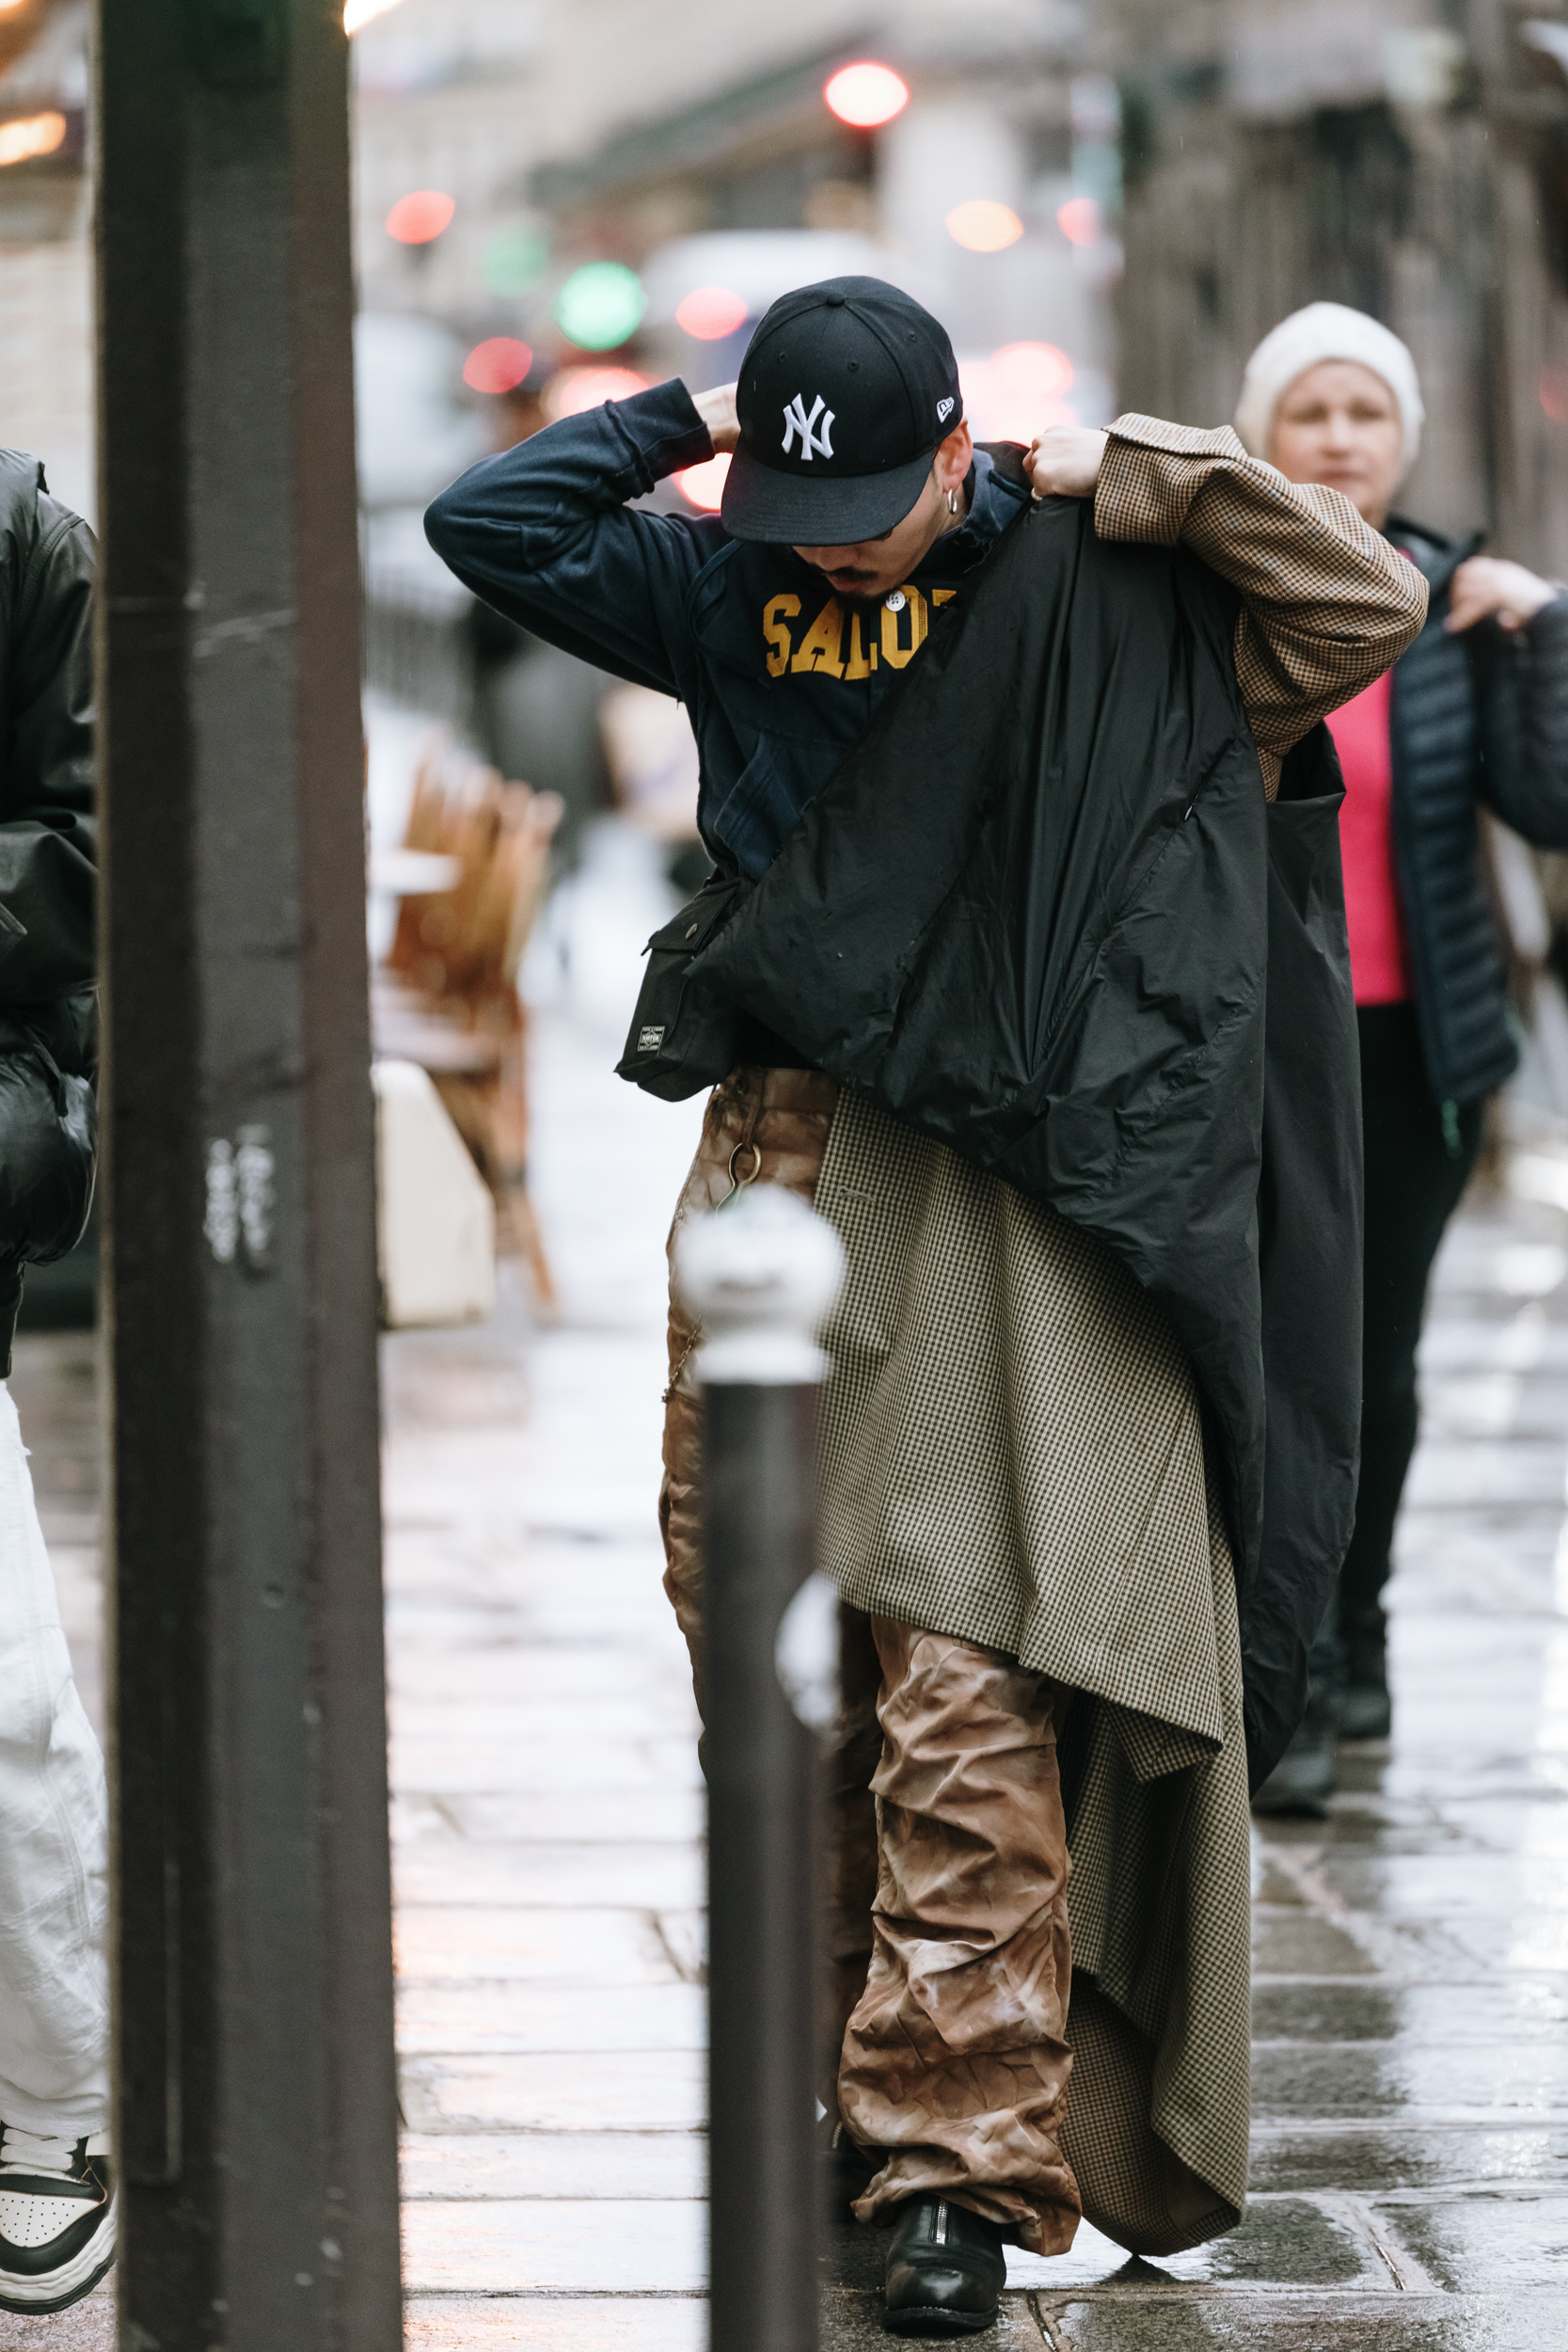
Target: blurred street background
(1108, 203)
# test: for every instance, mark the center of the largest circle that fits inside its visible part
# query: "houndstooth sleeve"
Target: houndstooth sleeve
(1328, 605)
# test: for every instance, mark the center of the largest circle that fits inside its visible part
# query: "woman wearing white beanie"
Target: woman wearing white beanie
(1475, 711)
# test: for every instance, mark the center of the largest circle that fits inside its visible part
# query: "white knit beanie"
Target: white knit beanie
(1324, 331)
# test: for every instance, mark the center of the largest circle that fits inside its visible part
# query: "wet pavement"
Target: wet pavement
(1410, 2156)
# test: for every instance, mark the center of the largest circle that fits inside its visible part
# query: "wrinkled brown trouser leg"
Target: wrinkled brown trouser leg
(762, 1126)
(954, 2058)
(772, 1125)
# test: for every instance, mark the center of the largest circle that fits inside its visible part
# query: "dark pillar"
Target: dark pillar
(257, 2121)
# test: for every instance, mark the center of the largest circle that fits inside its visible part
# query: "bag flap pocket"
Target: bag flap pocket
(685, 933)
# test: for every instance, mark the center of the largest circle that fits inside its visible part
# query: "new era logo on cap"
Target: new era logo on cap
(845, 391)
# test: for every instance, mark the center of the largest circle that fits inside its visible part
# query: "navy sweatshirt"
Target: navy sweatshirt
(778, 678)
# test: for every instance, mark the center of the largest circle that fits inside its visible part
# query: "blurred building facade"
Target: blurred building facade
(612, 130)
(1407, 156)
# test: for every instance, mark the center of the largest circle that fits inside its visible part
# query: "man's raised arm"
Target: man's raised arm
(544, 534)
(1327, 604)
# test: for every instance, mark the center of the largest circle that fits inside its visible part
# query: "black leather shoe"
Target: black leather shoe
(945, 2269)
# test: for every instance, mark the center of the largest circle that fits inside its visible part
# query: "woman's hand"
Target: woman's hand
(717, 411)
(1486, 584)
(1064, 463)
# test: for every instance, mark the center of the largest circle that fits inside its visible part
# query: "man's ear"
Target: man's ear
(955, 457)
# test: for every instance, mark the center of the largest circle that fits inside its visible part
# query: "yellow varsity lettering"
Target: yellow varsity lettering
(775, 615)
(820, 648)
(862, 657)
(893, 652)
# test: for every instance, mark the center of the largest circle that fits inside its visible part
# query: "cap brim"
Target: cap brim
(835, 510)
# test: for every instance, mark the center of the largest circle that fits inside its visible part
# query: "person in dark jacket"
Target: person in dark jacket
(1041, 1420)
(1474, 716)
(58, 2217)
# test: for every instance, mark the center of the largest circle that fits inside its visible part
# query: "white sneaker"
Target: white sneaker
(57, 2219)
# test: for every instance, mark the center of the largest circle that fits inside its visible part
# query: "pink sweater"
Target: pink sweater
(1379, 956)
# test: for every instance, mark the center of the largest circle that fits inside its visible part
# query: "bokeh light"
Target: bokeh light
(1017, 392)
(575, 390)
(1079, 220)
(418, 219)
(709, 312)
(983, 226)
(703, 485)
(514, 259)
(498, 364)
(35, 135)
(600, 305)
(865, 95)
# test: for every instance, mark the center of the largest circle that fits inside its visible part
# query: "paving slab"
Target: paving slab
(575, 2164)
(1379, 2158)
(632, 2090)
(503, 2245)
(557, 2323)
(1308, 2323)
(472, 2018)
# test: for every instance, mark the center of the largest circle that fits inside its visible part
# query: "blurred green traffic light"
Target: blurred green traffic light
(514, 259)
(600, 305)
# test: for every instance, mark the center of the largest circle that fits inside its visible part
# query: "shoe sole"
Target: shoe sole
(57, 2290)
(930, 2319)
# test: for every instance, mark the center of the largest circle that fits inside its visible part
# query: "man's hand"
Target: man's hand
(1064, 463)
(1486, 584)
(717, 411)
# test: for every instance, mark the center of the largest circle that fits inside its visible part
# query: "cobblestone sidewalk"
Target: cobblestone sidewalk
(1411, 2062)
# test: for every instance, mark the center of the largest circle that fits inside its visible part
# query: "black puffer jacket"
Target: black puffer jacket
(47, 864)
(1482, 717)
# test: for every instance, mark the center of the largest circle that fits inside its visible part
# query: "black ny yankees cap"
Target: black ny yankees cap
(845, 390)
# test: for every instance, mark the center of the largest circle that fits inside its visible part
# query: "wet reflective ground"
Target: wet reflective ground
(1410, 2162)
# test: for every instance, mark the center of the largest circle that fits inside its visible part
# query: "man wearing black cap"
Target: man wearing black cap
(1014, 1483)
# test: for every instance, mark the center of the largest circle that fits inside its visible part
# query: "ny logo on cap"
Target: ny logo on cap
(818, 443)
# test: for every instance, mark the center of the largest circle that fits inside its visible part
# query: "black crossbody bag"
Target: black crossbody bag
(684, 1035)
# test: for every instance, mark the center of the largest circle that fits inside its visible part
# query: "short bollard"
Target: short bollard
(759, 1277)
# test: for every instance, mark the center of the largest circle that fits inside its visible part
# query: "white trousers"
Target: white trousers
(54, 1849)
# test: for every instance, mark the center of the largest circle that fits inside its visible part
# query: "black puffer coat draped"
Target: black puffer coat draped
(1043, 914)
(1480, 717)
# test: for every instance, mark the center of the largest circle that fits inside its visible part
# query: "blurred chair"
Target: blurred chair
(447, 995)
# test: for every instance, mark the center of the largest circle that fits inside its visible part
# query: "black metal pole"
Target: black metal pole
(759, 1277)
(762, 1772)
(257, 2119)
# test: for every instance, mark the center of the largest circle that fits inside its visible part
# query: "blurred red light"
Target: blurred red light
(416, 219)
(865, 95)
(1553, 394)
(577, 389)
(497, 365)
(710, 311)
(1079, 220)
(1017, 392)
(703, 485)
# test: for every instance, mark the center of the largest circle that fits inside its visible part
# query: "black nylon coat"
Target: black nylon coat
(1044, 913)
(48, 859)
(1480, 716)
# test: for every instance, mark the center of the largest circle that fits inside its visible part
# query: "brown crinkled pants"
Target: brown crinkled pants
(947, 1930)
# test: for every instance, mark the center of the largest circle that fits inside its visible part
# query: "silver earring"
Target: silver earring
(952, 501)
